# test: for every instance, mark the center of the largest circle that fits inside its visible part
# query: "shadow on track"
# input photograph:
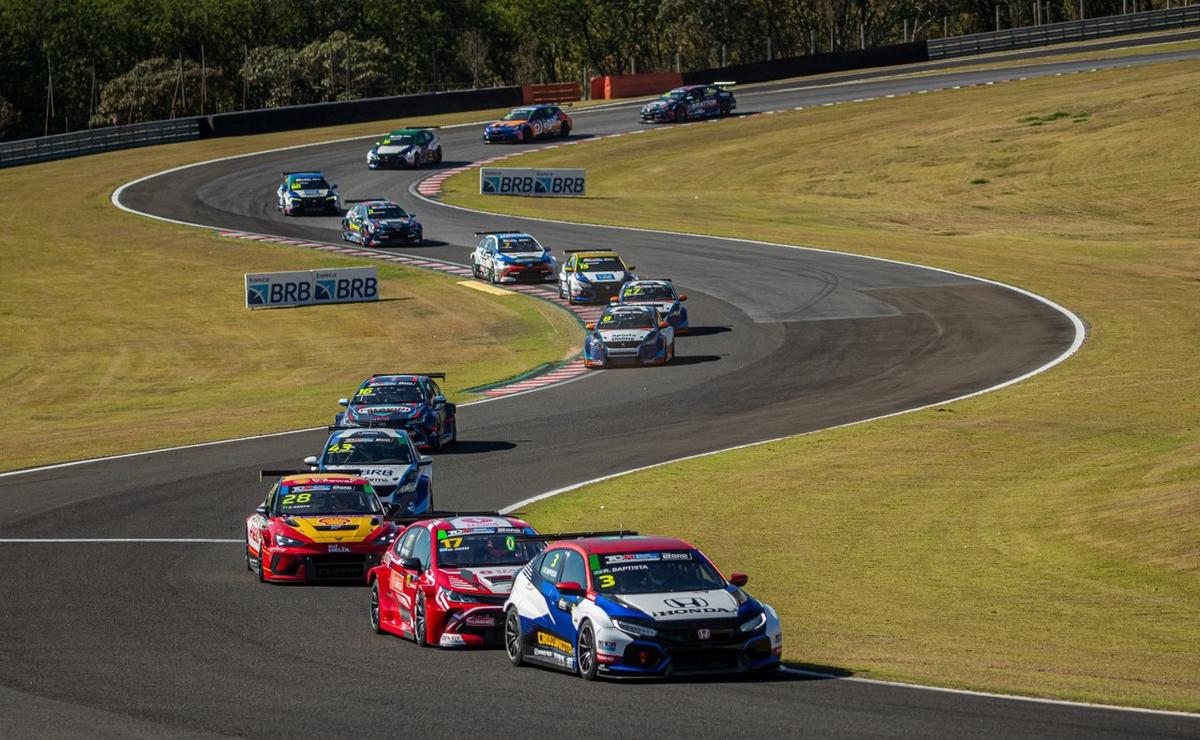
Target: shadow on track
(706, 331)
(476, 446)
(694, 359)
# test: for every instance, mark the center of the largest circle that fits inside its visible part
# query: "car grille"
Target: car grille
(338, 566)
(686, 634)
(684, 660)
(634, 344)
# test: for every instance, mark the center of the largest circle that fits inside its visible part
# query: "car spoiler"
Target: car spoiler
(576, 535)
(415, 375)
(594, 249)
(506, 231)
(724, 85)
(435, 514)
(270, 473)
(300, 172)
(365, 200)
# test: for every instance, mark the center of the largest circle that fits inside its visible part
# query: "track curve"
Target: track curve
(175, 638)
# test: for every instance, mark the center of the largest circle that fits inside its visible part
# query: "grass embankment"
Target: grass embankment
(119, 333)
(1044, 539)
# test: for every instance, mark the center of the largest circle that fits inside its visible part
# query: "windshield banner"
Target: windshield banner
(311, 287)
(556, 183)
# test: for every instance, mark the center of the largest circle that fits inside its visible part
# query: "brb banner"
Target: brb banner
(553, 183)
(283, 289)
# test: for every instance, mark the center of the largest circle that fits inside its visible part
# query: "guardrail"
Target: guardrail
(1053, 33)
(77, 143)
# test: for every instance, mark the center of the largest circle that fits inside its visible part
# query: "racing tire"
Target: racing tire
(585, 652)
(680, 114)
(514, 646)
(561, 294)
(475, 270)
(419, 623)
(492, 275)
(671, 352)
(376, 617)
(726, 108)
(454, 432)
(564, 132)
(526, 135)
(437, 156)
(435, 442)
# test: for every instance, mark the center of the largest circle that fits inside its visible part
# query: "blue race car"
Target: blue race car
(307, 192)
(661, 294)
(414, 403)
(388, 459)
(636, 606)
(633, 334)
(689, 102)
(510, 257)
(528, 123)
(375, 222)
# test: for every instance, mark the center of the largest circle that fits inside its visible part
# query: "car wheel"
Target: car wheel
(585, 652)
(561, 294)
(726, 108)
(419, 625)
(435, 442)
(680, 114)
(564, 132)
(514, 646)
(375, 616)
(671, 352)
(492, 275)
(437, 155)
(526, 135)
(453, 430)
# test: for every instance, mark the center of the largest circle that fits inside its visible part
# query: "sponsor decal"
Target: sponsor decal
(306, 288)
(631, 556)
(533, 182)
(676, 556)
(482, 620)
(338, 548)
(554, 643)
(703, 633)
(685, 602)
(334, 521)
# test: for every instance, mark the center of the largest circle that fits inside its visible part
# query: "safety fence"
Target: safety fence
(78, 143)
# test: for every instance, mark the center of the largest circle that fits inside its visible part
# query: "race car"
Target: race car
(377, 222)
(591, 276)
(528, 123)
(307, 192)
(691, 101)
(659, 293)
(510, 257)
(631, 334)
(406, 147)
(444, 580)
(317, 527)
(414, 403)
(388, 459)
(622, 606)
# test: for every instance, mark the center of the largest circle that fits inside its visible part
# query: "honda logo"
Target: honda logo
(685, 603)
(704, 633)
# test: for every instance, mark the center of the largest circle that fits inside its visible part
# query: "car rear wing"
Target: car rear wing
(594, 249)
(546, 536)
(442, 376)
(725, 85)
(271, 473)
(435, 514)
(505, 231)
(364, 200)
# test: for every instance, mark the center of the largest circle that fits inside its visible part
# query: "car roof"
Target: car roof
(405, 131)
(310, 479)
(469, 522)
(612, 545)
(380, 202)
(597, 253)
(368, 432)
(510, 234)
(629, 308)
(650, 281)
(304, 174)
(393, 379)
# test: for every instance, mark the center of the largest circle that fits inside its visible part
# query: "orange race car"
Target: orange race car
(528, 123)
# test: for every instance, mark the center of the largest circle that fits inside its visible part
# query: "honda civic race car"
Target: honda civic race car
(414, 403)
(691, 101)
(374, 223)
(511, 256)
(636, 606)
(387, 458)
(444, 580)
(317, 527)
(307, 192)
(406, 147)
(591, 276)
(662, 295)
(634, 334)
(528, 123)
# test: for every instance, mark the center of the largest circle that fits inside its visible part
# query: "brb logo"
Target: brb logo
(506, 182)
(559, 185)
(346, 289)
(304, 288)
(553, 183)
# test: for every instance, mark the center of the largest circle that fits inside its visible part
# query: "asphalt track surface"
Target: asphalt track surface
(154, 639)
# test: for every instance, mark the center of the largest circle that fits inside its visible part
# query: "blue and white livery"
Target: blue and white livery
(388, 459)
(661, 294)
(512, 257)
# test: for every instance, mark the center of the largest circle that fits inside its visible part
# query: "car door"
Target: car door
(564, 280)
(401, 580)
(489, 254)
(560, 566)
(442, 407)
(258, 522)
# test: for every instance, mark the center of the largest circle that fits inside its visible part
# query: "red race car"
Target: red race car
(317, 527)
(444, 581)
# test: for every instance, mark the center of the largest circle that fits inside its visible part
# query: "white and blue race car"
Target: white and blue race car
(629, 334)
(636, 606)
(388, 459)
(512, 257)
(661, 294)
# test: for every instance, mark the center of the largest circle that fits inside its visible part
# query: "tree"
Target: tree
(473, 54)
(156, 89)
(8, 117)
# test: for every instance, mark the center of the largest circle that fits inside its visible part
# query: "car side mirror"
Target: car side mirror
(614, 299)
(424, 460)
(631, 268)
(310, 460)
(343, 402)
(589, 326)
(261, 509)
(412, 215)
(738, 579)
(333, 186)
(662, 325)
(439, 399)
(683, 297)
(571, 588)
(411, 564)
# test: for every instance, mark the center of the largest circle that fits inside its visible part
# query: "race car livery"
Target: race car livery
(414, 403)
(374, 223)
(636, 334)
(510, 257)
(406, 147)
(592, 276)
(692, 101)
(388, 459)
(444, 581)
(636, 606)
(662, 295)
(307, 192)
(317, 527)
(528, 123)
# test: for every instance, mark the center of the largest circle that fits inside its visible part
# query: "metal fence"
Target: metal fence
(77, 143)
(1053, 33)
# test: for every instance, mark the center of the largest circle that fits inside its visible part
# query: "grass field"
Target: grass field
(1042, 540)
(119, 333)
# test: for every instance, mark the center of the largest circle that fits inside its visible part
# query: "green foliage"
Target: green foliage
(8, 117)
(157, 89)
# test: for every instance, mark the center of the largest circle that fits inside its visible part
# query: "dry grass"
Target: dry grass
(1044, 539)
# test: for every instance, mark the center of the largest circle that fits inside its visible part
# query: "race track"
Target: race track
(176, 638)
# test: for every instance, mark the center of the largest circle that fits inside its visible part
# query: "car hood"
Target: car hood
(663, 306)
(523, 257)
(377, 475)
(393, 148)
(681, 605)
(331, 528)
(624, 335)
(394, 223)
(603, 276)
(390, 411)
(313, 193)
(492, 579)
(509, 124)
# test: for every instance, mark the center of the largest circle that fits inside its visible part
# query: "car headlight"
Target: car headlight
(635, 629)
(282, 540)
(385, 538)
(459, 598)
(407, 487)
(331, 197)
(753, 623)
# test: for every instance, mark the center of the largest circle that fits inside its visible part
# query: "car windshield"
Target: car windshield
(465, 550)
(648, 292)
(309, 183)
(519, 244)
(375, 449)
(389, 211)
(520, 114)
(674, 95)
(653, 572)
(402, 140)
(626, 320)
(600, 264)
(326, 498)
(388, 394)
